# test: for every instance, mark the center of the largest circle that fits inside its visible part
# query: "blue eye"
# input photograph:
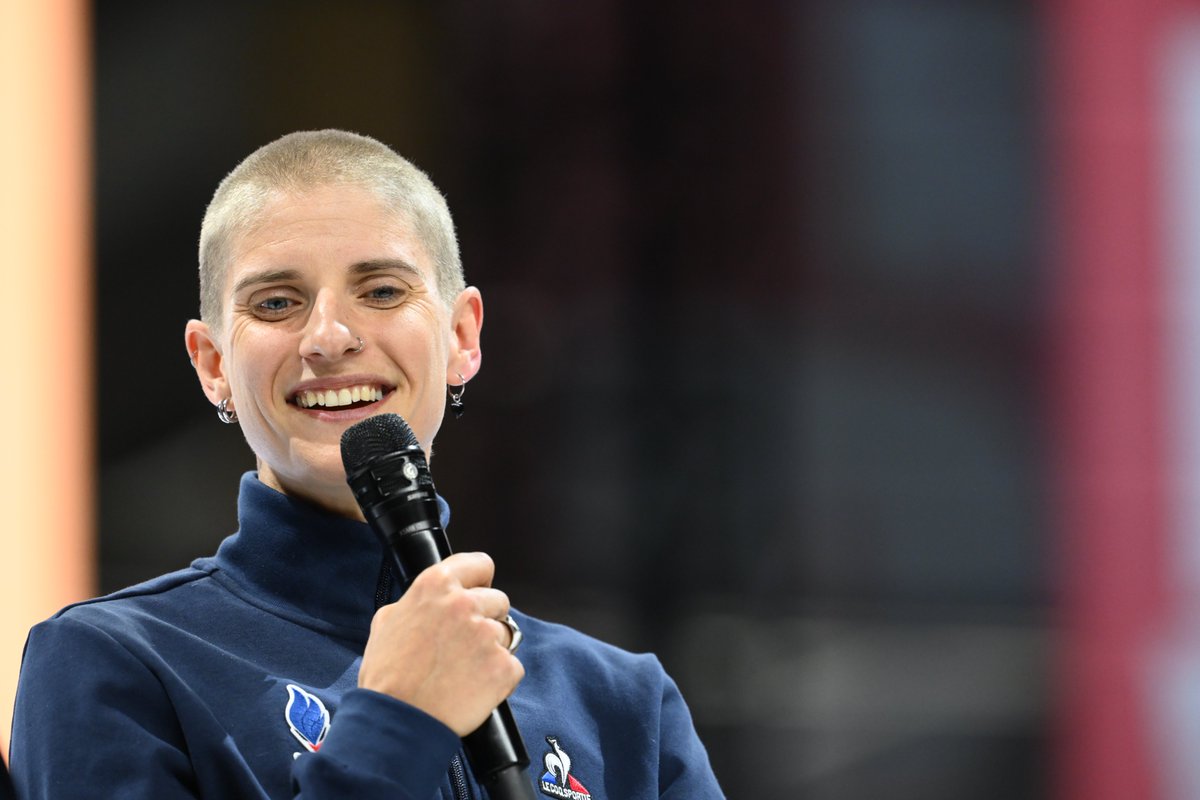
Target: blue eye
(384, 295)
(275, 308)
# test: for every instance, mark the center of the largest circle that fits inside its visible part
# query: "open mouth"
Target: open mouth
(348, 397)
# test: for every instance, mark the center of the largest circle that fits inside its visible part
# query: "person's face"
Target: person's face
(324, 269)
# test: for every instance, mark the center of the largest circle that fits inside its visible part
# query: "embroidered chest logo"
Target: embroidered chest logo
(306, 717)
(558, 780)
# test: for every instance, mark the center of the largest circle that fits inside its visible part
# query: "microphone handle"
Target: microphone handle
(495, 749)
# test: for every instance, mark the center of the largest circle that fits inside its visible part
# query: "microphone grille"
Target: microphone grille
(374, 437)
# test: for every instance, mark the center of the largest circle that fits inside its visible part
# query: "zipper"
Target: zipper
(383, 595)
(458, 779)
(383, 586)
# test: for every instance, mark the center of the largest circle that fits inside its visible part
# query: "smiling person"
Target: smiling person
(291, 663)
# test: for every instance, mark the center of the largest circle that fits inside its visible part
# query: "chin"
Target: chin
(312, 471)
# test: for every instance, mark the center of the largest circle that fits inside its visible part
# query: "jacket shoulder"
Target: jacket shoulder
(583, 654)
(131, 600)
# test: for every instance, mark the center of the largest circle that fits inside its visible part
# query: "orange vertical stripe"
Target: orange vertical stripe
(45, 321)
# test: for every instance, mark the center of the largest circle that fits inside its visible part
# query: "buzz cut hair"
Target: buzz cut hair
(307, 160)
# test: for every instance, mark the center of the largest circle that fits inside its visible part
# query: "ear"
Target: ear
(206, 357)
(466, 322)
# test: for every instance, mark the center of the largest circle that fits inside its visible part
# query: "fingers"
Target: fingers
(470, 569)
(447, 632)
(490, 603)
(468, 577)
(504, 637)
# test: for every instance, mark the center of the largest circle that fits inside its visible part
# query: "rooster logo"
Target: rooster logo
(558, 780)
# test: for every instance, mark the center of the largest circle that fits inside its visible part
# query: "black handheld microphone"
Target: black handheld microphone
(388, 473)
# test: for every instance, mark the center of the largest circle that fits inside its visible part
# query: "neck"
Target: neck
(334, 498)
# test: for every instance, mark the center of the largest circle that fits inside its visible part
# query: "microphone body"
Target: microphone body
(387, 471)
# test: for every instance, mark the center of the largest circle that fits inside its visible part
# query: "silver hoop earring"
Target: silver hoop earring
(360, 347)
(456, 398)
(225, 413)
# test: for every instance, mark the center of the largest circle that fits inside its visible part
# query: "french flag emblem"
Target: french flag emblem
(306, 717)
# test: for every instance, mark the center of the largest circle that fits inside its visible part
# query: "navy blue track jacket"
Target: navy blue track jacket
(236, 678)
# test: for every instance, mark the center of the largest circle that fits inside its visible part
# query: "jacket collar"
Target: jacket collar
(302, 562)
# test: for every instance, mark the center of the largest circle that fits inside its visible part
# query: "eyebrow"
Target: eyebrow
(358, 268)
(266, 276)
(377, 264)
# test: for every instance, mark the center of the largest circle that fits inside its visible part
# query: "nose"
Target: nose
(327, 335)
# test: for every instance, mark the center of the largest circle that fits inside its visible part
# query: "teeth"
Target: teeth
(333, 398)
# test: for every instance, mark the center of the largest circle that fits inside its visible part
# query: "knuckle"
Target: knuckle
(461, 604)
(433, 578)
(487, 633)
(484, 562)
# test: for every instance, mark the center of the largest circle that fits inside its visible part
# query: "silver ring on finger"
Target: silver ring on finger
(515, 630)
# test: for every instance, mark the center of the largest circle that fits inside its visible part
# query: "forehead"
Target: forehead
(325, 227)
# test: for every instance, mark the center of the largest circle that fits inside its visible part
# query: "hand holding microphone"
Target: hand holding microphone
(447, 634)
(444, 647)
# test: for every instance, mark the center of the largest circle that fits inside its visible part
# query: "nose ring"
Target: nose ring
(360, 347)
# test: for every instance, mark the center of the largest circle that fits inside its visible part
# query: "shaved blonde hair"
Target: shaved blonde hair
(310, 159)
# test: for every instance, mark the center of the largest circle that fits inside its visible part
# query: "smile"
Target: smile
(337, 398)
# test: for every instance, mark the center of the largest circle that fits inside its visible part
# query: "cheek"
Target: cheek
(252, 363)
(422, 337)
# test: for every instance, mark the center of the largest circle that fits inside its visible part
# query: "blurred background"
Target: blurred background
(837, 352)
